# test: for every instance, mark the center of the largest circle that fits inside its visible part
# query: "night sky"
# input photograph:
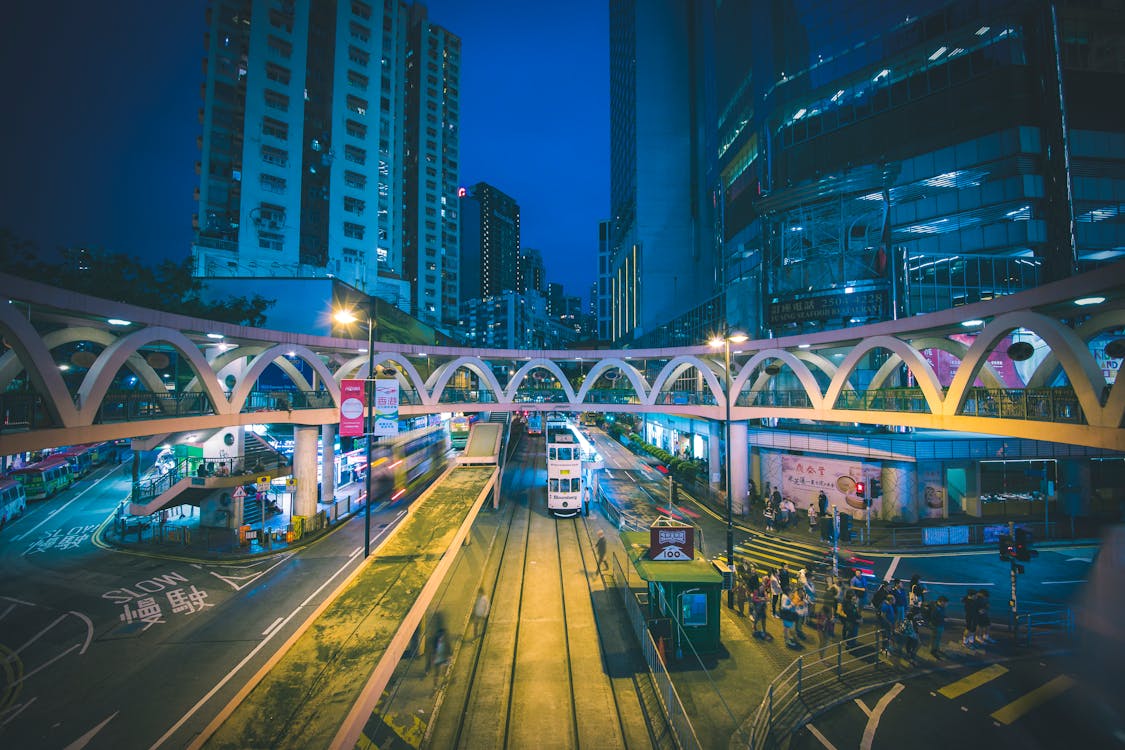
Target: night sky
(100, 122)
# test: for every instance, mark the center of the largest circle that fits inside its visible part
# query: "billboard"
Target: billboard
(804, 477)
(386, 407)
(351, 408)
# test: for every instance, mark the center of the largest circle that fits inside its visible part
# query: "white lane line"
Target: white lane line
(863, 707)
(823, 740)
(245, 660)
(46, 664)
(1052, 583)
(890, 576)
(84, 740)
(19, 709)
(14, 653)
(273, 625)
(356, 551)
(873, 720)
(59, 509)
(5, 612)
(17, 601)
(89, 630)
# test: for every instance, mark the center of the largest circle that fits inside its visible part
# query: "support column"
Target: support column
(304, 469)
(900, 493)
(714, 454)
(328, 462)
(739, 454)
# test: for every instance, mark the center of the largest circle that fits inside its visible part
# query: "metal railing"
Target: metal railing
(678, 719)
(1050, 624)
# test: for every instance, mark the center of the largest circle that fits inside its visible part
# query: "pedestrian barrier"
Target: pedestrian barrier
(1047, 624)
(677, 717)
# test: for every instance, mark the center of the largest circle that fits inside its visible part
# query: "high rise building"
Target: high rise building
(533, 275)
(879, 165)
(662, 232)
(330, 148)
(491, 236)
(604, 288)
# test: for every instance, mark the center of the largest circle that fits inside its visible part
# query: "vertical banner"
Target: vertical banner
(386, 407)
(351, 408)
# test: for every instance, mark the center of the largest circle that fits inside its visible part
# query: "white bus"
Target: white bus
(13, 500)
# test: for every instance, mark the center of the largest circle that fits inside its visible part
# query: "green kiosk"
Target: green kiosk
(684, 590)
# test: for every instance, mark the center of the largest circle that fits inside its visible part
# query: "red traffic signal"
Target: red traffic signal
(861, 489)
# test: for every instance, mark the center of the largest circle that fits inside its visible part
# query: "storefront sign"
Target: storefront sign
(351, 408)
(671, 540)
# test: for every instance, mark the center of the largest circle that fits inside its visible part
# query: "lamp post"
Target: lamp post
(725, 341)
(369, 418)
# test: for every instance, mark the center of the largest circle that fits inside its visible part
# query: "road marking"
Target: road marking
(240, 582)
(1053, 583)
(863, 707)
(1041, 694)
(958, 583)
(873, 720)
(17, 601)
(19, 709)
(46, 664)
(823, 740)
(273, 625)
(890, 576)
(59, 509)
(975, 680)
(84, 740)
(35, 637)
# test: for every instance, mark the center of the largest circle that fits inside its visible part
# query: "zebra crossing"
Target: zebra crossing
(764, 552)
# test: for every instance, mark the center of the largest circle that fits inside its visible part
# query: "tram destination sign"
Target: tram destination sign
(671, 541)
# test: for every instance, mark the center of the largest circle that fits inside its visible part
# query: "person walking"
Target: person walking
(901, 598)
(825, 622)
(775, 592)
(481, 609)
(849, 614)
(440, 655)
(859, 588)
(801, 607)
(984, 621)
(758, 607)
(788, 613)
(917, 591)
(937, 626)
(885, 617)
(812, 518)
(785, 578)
(969, 602)
(599, 548)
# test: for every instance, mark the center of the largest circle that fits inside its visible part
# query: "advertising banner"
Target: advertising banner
(804, 477)
(386, 407)
(933, 491)
(351, 408)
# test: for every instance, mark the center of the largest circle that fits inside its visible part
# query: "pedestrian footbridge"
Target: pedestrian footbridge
(1032, 364)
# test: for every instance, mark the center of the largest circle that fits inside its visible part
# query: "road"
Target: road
(106, 649)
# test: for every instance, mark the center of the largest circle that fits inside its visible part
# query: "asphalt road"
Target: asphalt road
(109, 649)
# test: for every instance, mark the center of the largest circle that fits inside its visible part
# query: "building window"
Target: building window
(359, 32)
(358, 56)
(354, 179)
(271, 241)
(279, 47)
(355, 231)
(272, 155)
(275, 72)
(277, 101)
(361, 10)
(357, 81)
(271, 217)
(355, 154)
(275, 128)
(272, 184)
(357, 105)
(355, 129)
(354, 205)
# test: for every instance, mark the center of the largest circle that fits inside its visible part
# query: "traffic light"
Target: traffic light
(1023, 550)
(1004, 545)
(861, 491)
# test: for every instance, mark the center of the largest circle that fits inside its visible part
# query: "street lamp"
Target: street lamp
(348, 317)
(724, 341)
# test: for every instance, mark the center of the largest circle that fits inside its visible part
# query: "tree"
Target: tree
(169, 286)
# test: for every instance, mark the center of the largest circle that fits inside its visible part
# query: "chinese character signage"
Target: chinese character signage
(386, 407)
(670, 540)
(351, 408)
(803, 478)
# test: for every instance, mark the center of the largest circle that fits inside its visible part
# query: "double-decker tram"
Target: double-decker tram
(534, 423)
(564, 468)
(459, 426)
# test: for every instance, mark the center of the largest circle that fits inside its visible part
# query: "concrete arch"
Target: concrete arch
(538, 363)
(677, 366)
(409, 379)
(924, 374)
(635, 378)
(42, 372)
(444, 372)
(10, 366)
(259, 363)
(222, 360)
(988, 373)
(1096, 324)
(1077, 362)
(817, 360)
(797, 365)
(98, 378)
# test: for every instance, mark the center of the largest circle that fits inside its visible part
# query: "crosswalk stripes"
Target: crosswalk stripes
(1014, 710)
(767, 552)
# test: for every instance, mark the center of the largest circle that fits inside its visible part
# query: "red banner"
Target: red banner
(351, 408)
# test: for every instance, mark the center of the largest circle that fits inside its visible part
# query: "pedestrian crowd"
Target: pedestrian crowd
(900, 610)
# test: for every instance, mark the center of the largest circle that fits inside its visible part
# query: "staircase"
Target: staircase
(259, 456)
(251, 509)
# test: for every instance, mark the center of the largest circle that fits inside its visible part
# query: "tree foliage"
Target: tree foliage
(169, 286)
